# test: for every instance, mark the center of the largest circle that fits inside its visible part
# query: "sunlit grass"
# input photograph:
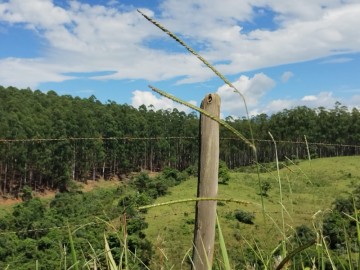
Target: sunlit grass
(174, 223)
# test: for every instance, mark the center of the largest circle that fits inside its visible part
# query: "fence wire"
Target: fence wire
(127, 138)
(74, 227)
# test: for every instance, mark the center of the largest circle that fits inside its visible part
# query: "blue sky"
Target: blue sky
(279, 53)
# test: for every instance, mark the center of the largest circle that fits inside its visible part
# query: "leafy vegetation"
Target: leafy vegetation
(72, 225)
(224, 173)
(244, 217)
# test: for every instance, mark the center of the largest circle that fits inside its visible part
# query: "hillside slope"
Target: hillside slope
(307, 188)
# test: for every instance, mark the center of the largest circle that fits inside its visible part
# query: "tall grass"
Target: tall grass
(282, 206)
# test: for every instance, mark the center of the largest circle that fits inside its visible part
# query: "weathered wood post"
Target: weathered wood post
(205, 217)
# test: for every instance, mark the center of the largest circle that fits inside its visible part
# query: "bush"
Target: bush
(26, 194)
(303, 235)
(338, 228)
(141, 182)
(244, 217)
(224, 174)
(192, 170)
(265, 187)
(173, 175)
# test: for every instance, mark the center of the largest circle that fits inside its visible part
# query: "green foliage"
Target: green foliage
(53, 164)
(141, 182)
(192, 170)
(224, 253)
(303, 235)
(26, 193)
(339, 229)
(244, 216)
(27, 114)
(224, 173)
(29, 217)
(265, 188)
(35, 231)
(158, 186)
(173, 176)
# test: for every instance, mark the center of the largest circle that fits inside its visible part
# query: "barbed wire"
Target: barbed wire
(127, 138)
(74, 227)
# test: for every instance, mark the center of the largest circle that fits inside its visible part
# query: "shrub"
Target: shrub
(244, 217)
(26, 194)
(224, 174)
(338, 225)
(192, 170)
(303, 235)
(265, 187)
(141, 182)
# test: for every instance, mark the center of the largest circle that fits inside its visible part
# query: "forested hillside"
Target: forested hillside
(46, 140)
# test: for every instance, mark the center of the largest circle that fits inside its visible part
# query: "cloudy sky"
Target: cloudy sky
(279, 53)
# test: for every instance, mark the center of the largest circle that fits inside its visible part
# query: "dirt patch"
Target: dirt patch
(49, 194)
(9, 201)
(90, 184)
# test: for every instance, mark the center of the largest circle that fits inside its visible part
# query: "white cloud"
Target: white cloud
(112, 2)
(34, 13)
(337, 60)
(253, 90)
(277, 105)
(29, 72)
(286, 76)
(147, 98)
(84, 37)
(323, 99)
(354, 102)
(309, 98)
(308, 30)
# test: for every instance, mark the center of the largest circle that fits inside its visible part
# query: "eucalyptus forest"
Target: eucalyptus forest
(47, 140)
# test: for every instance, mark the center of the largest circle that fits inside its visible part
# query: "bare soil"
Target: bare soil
(49, 194)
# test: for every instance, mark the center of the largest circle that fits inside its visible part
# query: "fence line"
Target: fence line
(94, 223)
(126, 138)
(92, 139)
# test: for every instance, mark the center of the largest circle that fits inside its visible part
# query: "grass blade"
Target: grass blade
(223, 246)
(220, 121)
(194, 200)
(72, 250)
(109, 258)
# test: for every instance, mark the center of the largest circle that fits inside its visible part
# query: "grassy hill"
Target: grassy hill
(308, 189)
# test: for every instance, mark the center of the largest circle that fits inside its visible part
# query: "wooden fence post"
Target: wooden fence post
(205, 217)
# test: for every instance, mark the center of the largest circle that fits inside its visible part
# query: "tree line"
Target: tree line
(126, 139)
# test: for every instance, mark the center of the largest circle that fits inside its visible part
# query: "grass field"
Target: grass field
(307, 188)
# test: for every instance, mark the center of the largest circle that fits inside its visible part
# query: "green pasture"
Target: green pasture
(308, 189)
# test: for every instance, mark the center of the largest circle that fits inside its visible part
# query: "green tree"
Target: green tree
(224, 173)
